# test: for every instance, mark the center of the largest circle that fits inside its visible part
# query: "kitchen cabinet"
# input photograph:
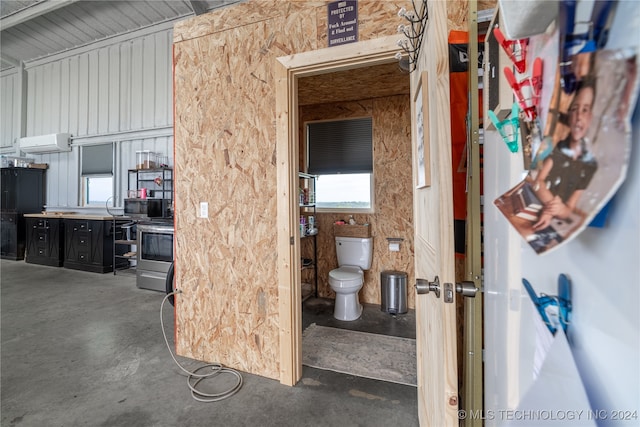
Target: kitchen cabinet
(45, 241)
(12, 236)
(308, 232)
(88, 245)
(21, 191)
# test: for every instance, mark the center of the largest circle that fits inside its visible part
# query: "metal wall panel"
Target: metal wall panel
(63, 176)
(118, 93)
(122, 87)
(9, 109)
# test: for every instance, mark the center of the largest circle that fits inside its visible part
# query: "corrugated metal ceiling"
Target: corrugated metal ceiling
(35, 29)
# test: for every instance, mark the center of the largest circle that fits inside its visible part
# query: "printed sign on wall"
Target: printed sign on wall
(342, 27)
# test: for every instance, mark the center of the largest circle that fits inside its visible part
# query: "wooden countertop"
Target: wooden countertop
(72, 215)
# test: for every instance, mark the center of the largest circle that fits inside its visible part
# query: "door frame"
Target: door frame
(287, 71)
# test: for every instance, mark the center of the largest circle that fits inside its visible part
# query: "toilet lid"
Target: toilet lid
(346, 272)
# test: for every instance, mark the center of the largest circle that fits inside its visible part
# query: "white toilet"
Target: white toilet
(354, 256)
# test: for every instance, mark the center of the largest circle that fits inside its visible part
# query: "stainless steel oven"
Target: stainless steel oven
(154, 255)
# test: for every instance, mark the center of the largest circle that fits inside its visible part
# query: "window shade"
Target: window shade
(344, 146)
(97, 159)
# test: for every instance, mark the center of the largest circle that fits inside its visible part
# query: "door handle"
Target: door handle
(467, 289)
(423, 286)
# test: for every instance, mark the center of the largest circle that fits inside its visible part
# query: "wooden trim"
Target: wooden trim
(287, 71)
(472, 368)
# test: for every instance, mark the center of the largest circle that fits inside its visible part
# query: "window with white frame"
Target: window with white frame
(340, 153)
(97, 175)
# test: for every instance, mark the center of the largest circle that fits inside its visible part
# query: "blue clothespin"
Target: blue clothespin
(509, 128)
(562, 301)
(595, 38)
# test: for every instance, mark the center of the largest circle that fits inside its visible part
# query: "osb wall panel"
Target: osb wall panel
(376, 18)
(393, 215)
(487, 4)
(458, 12)
(225, 156)
(380, 18)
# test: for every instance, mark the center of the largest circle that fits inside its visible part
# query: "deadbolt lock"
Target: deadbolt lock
(424, 286)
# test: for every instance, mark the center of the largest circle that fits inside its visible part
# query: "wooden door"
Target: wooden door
(435, 318)
(433, 216)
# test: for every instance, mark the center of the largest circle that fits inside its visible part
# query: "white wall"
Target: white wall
(118, 90)
(604, 265)
(10, 92)
(120, 87)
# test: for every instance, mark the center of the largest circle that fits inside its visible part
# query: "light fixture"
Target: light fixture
(413, 31)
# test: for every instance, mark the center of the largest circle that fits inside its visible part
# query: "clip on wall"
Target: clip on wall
(509, 128)
(516, 50)
(528, 104)
(554, 309)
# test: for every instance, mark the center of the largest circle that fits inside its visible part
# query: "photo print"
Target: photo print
(581, 159)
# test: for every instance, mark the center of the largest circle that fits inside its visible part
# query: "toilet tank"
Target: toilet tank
(354, 251)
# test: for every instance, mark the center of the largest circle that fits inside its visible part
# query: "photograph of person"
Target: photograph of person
(582, 156)
(567, 171)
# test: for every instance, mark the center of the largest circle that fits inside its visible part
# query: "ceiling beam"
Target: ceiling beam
(198, 7)
(31, 12)
(9, 60)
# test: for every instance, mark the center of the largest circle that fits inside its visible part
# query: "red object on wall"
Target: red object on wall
(459, 95)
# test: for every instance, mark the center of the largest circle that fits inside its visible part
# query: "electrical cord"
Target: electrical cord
(217, 369)
(107, 207)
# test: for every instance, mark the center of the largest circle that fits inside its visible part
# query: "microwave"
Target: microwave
(147, 208)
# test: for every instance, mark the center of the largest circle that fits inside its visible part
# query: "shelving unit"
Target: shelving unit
(124, 250)
(306, 200)
(158, 182)
(159, 185)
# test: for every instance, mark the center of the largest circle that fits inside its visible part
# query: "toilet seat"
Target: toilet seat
(346, 282)
(346, 273)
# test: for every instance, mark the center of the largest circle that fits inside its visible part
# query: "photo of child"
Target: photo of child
(583, 156)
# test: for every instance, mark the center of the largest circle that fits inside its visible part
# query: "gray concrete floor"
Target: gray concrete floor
(86, 349)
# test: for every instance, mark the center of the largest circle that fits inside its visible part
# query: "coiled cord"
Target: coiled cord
(216, 368)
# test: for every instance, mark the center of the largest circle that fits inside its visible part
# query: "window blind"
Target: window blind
(343, 146)
(97, 159)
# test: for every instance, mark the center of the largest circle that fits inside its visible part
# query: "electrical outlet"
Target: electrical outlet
(204, 210)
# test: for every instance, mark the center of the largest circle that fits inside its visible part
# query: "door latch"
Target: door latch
(423, 286)
(467, 289)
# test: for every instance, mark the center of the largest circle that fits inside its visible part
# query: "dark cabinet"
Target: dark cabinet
(12, 235)
(88, 245)
(21, 191)
(45, 241)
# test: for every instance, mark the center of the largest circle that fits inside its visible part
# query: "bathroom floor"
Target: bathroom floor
(373, 320)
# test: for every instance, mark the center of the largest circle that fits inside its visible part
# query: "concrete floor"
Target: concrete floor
(86, 349)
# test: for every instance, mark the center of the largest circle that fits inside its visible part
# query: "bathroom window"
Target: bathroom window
(340, 153)
(97, 175)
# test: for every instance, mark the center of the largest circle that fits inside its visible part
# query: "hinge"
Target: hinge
(291, 240)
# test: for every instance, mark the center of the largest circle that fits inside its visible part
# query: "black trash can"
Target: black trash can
(393, 287)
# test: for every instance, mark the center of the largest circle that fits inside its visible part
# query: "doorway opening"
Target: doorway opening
(295, 76)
